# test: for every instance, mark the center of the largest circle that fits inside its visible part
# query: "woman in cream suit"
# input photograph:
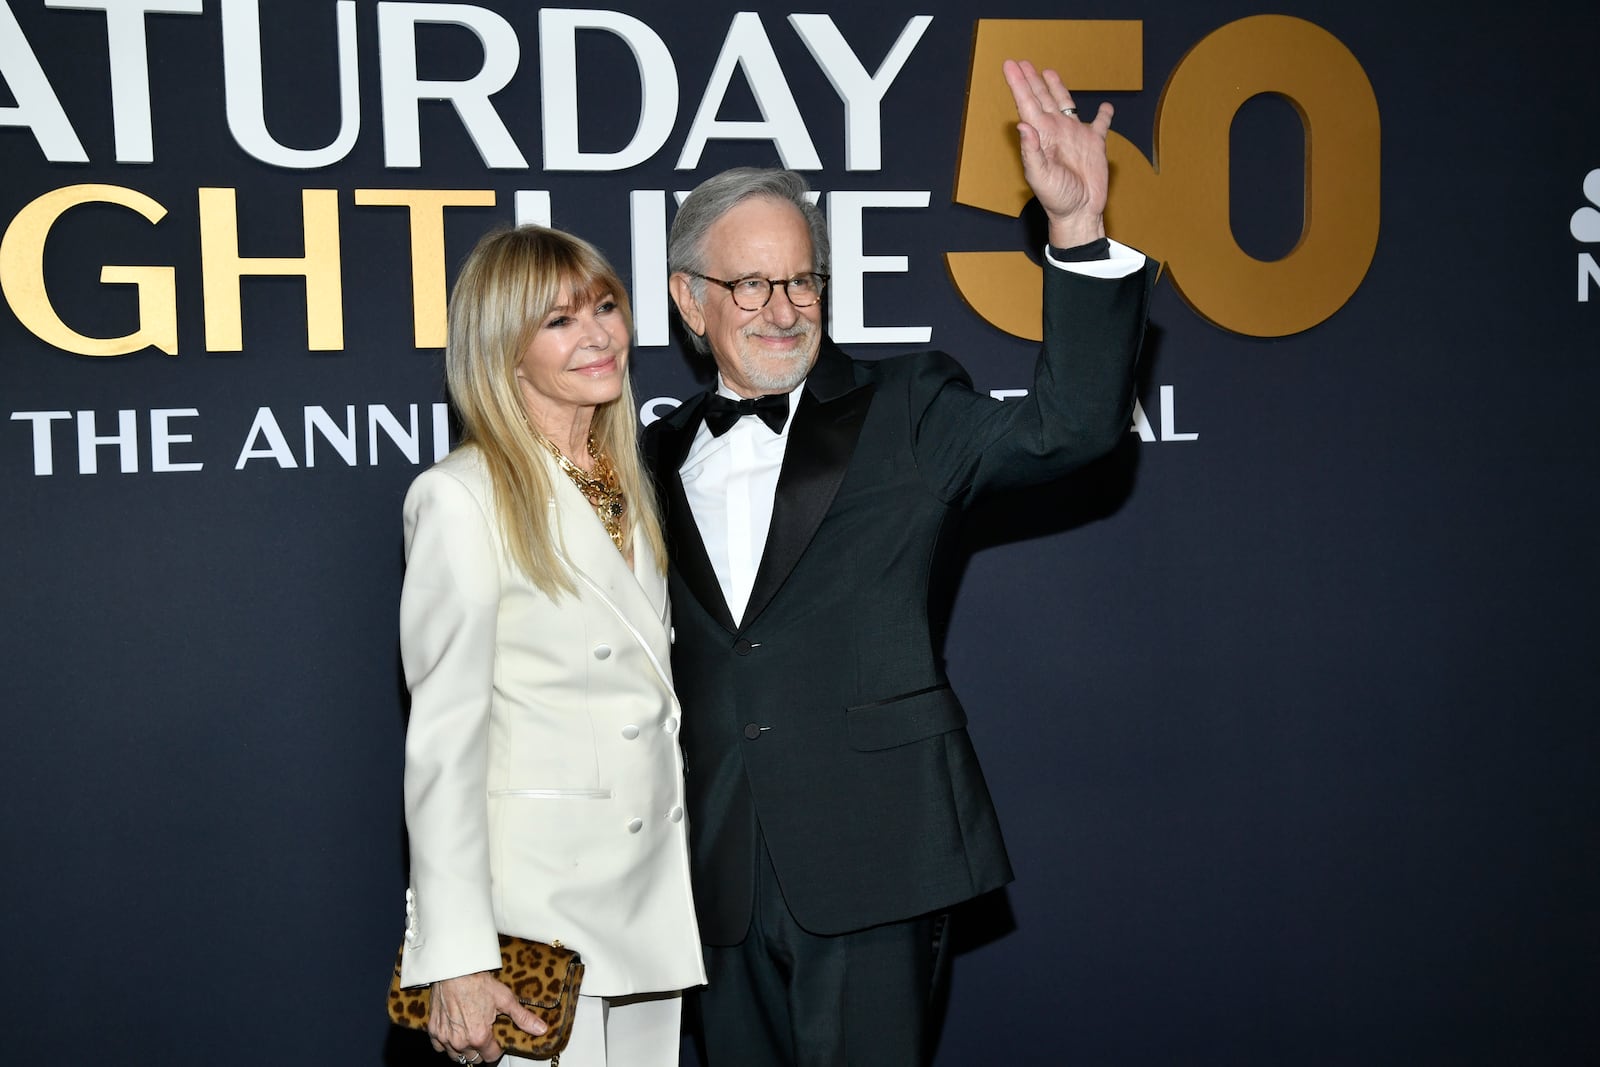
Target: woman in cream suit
(543, 779)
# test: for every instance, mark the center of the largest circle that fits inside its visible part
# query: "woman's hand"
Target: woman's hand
(462, 1011)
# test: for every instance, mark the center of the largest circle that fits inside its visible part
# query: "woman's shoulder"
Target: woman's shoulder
(460, 474)
(464, 464)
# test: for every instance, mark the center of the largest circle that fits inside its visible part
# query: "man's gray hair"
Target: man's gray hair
(714, 198)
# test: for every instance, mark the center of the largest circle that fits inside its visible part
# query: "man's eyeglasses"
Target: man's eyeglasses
(753, 294)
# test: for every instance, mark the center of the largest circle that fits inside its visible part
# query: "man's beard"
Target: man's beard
(775, 373)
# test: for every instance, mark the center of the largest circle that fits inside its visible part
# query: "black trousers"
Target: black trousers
(785, 997)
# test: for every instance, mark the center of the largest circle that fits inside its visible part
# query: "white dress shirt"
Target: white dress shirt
(730, 481)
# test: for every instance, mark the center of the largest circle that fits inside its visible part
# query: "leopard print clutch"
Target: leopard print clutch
(544, 977)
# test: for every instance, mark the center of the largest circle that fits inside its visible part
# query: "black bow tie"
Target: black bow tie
(722, 412)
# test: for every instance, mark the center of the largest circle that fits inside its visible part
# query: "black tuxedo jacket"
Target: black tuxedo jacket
(823, 721)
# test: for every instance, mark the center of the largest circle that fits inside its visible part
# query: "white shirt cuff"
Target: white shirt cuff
(1122, 262)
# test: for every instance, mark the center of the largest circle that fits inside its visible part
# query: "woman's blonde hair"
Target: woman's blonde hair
(508, 285)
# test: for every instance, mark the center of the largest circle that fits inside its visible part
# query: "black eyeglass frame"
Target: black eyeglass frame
(772, 287)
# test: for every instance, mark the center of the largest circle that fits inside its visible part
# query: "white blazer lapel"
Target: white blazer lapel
(637, 596)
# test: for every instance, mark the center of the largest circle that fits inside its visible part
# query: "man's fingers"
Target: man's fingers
(1036, 85)
(1017, 82)
(1059, 96)
(1102, 118)
(1039, 95)
(1028, 90)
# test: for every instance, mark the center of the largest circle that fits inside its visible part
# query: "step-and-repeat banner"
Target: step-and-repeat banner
(1288, 705)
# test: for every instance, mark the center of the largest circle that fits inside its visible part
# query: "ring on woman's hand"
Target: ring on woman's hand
(1069, 111)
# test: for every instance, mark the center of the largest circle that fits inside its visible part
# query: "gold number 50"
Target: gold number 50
(1175, 207)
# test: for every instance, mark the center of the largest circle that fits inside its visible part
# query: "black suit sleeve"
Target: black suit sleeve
(967, 444)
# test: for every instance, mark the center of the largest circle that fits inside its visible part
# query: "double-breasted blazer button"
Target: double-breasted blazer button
(629, 732)
(635, 825)
(751, 731)
(671, 725)
(676, 814)
(602, 651)
(742, 647)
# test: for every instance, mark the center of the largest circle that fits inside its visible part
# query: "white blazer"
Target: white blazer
(543, 780)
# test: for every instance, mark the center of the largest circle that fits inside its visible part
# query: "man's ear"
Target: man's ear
(688, 306)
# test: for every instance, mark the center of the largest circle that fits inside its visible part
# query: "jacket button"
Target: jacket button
(751, 731)
(629, 732)
(670, 726)
(635, 825)
(742, 647)
(676, 814)
(602, 651)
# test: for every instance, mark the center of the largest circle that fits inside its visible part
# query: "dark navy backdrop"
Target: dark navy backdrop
(1291, 723)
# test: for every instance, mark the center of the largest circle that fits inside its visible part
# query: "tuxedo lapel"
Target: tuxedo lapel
(822, 438)
(689, 554)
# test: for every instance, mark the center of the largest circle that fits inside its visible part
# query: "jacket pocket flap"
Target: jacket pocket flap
(904, 720)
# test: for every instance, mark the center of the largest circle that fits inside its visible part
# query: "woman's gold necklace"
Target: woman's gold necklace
(601, 489)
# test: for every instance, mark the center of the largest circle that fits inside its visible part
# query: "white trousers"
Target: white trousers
(636, 1031)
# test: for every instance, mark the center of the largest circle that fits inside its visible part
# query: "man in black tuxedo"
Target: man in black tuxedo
(836, 804)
